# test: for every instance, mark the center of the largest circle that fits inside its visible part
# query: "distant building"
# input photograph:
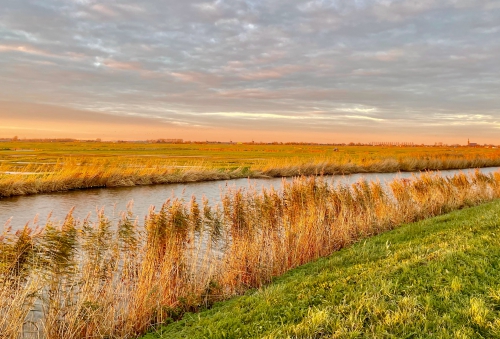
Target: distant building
(471, 144)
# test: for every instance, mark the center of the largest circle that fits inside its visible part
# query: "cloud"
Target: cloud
(25, 49)
(102, 9)
(370, 66)
(362, 117)
(110, 63)
(254, 116)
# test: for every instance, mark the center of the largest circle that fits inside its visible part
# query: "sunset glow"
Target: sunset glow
(319, 71)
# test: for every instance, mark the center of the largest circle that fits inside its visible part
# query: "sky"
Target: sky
(241, 70)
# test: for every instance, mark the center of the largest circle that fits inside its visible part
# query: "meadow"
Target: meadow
(92, 279)
(40, 167)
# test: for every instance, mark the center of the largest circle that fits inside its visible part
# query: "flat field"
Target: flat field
(37, 167)
(437, 278)
(224, 155)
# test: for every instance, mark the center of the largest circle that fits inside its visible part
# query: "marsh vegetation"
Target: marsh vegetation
(92, 279)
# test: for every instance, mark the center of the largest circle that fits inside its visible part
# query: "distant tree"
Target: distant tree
(15, 138)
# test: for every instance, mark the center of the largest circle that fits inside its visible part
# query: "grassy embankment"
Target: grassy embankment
(75, 165)
(436, 278)
(93, 280)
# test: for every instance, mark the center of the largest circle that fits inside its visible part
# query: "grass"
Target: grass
(92, 279)
(436, 278)
(42, 167)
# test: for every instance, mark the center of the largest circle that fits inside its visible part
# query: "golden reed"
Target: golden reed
(81, 173)
(92, 279)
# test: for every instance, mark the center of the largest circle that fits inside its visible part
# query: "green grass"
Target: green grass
(438, 278)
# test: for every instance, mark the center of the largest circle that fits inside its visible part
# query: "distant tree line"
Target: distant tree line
(181, 141)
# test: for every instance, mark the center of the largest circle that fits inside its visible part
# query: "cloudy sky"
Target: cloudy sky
(263, 70)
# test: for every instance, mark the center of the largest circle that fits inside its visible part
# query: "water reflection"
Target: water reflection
(114, 200)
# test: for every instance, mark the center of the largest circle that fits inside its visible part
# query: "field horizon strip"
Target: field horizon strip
(62, 166)
(91, 279)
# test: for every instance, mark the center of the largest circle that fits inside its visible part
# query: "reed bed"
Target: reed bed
(92, 279)
(70, 174)
(81, 173)
(415, 163)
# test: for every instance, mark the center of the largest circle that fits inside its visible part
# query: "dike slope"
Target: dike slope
(437, 278)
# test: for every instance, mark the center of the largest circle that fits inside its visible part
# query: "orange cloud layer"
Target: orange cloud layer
(27, 120)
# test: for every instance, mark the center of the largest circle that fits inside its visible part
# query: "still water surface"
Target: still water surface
(23, 209)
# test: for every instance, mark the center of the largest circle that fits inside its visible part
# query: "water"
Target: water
(23, 209)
